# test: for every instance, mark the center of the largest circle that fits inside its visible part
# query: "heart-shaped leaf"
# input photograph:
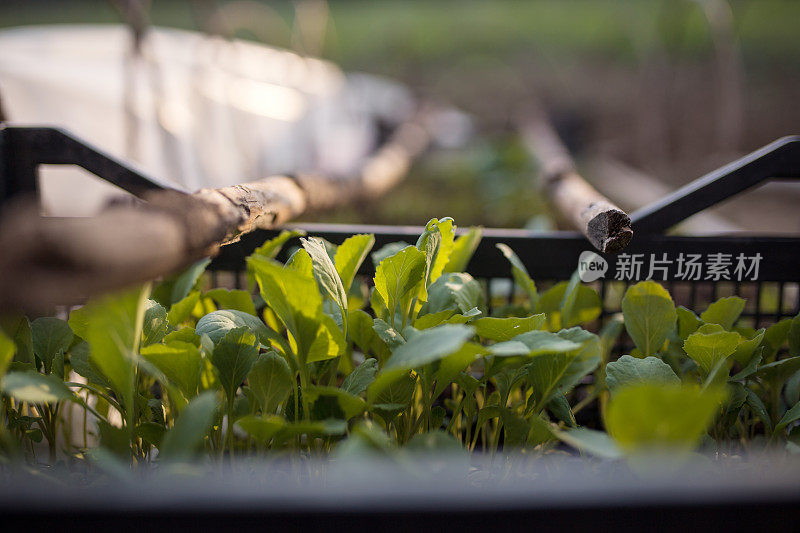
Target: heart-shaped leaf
(271, 381)
(233, 358)
(629, 370)
(649, 315)
(51, 337)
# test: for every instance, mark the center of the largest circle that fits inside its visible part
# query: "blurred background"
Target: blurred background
(648, 94)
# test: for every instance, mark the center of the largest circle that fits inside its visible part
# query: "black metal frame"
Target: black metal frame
(548, 256)
(23, 149)
(778, 160)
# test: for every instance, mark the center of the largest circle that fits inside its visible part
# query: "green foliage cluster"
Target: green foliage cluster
(322, 361)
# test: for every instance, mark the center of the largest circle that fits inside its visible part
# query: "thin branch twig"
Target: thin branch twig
(606, 226)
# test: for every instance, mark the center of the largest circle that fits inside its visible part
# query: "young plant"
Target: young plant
(317, 356)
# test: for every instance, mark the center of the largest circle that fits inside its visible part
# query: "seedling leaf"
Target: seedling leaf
(350, 255)
(51, 337)
(185, 438)
(628, 370)
(179, 361)
(271, 381)
(33, 387)
(649, 315)
(653, 416)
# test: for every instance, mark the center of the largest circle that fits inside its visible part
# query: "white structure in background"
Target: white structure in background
(196, 110)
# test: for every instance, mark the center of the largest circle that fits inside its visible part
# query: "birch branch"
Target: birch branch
(50, 261)
(606, 226)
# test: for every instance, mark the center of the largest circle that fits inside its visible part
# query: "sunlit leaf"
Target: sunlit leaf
(301, 262)
(649, 315)
(629, 370)
(350, 255)
(428, 243)
(463, 249)
(724, 312)
(294, 298)
(325, 271)
(272, 247)
(179, 361)
(398, 276)
(437, 242)
(653, 416)
(181, 310)
(709, 345)
(747, 347)
(186, 334)
(7, 351)
(328, 343)
(233, 299)
(387, 250)
(113, 329)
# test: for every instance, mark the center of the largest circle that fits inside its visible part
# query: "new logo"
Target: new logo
(591, 266)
